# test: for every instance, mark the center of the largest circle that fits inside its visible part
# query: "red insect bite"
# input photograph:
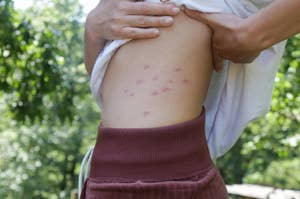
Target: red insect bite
(139, 81)
(146, 113)
(146, 67)
(177, 69)
(185, 81)
(155, 78)
(165, 89)
(154, 93)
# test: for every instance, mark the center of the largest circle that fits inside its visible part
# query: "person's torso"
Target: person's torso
(159, 81)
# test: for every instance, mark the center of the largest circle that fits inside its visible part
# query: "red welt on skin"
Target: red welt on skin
(155, 78)
(154, 93)
(139, 81)
(146, 67)
(177, 69)
(185, 81)
(146, 113)
(165, 89)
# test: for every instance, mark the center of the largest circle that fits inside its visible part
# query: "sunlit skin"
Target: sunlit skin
(146, 113)
(177, 69)
(162, 89)
(155, 78)
(146, 67)
(161, 77)
(139, 81)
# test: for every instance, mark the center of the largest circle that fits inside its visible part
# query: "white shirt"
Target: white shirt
(236, 96)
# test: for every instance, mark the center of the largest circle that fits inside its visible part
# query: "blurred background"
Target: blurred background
(48, 118)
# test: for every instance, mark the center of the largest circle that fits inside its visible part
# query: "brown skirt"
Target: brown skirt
(166, 162)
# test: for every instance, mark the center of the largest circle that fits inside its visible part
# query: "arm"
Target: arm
(274, 23)
(121, 19)
(241, 40)
(92, 48)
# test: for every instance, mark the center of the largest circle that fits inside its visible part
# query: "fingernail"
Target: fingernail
(175, 10)
(168, 20)
(155, 31)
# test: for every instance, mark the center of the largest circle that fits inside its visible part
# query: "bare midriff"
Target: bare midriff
(160, 81)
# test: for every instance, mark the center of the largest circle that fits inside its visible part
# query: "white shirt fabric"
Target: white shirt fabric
(236, 96)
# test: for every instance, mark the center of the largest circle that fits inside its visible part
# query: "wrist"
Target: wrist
(92, 37)
(91, 31)
(245, 36)
(250, 35)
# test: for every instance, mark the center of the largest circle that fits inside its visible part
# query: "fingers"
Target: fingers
(140, 27)
(217, 61)
(147, 21)
(147, 8)
(138, 33)
(213, 20)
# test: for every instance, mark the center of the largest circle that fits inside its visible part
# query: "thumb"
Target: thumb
(198, 15)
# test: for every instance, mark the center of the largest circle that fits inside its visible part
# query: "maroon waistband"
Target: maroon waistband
(157, 153)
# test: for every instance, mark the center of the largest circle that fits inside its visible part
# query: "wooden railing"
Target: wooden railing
(261, 192)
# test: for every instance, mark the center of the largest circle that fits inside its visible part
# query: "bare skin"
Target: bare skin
(123, 19)
(235, 35)
(232, 36)
(160, 81)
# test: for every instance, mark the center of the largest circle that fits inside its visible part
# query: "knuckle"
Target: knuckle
(156, 22)
(128, 32)
(168, 9)
(142, 21)
(159, 22)
(115, 17)
(142, 6)
(115, 30)
(122, 6)
(164, 21)
(132, 32)
(151, 33)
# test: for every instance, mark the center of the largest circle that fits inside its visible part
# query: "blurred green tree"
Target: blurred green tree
(38, 50)
(274, 138)
(47, 115)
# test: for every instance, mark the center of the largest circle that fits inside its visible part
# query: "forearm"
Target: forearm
(274, 23)
(92, 48)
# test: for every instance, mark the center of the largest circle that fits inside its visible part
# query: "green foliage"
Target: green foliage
(48, 117)
(42, 160)
(35, 59)
(282, 173)
(274, 137)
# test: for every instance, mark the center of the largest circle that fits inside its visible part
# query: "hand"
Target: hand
(230, 39)
(128, 19)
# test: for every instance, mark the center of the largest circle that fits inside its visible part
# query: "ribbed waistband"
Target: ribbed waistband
(148, 154)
